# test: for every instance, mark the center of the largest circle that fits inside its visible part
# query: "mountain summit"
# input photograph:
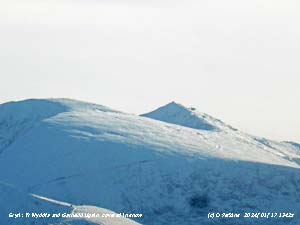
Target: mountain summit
(176, 113)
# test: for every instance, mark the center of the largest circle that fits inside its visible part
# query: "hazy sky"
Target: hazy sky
(237, 60)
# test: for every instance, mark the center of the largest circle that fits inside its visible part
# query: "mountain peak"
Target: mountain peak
(173, 103)
(177, 113)
(177, 105)
(174, 106)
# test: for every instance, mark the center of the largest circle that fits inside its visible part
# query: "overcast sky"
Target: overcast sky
(236, 60)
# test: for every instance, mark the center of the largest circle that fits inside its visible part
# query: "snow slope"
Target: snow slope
(178, 114)
(87, 154)
(189, 117)
(30, 209)
(18, 117)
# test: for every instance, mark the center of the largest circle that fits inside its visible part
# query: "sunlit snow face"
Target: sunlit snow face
(236, 60)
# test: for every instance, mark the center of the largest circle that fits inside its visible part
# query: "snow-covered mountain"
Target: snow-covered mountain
(173, 171)
(189, 117)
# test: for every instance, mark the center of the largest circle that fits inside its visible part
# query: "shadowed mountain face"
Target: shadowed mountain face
(86, 154)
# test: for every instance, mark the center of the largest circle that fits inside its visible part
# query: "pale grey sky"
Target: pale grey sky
(237, 60)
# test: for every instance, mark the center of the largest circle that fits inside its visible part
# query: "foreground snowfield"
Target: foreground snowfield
(40, 210)
(173, 171)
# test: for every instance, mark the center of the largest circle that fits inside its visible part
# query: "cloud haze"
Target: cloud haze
(236, 60)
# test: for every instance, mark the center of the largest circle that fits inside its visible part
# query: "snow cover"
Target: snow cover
(178, 114)
(18, 117)
(189, 117)
(173, 171)
(40, 210)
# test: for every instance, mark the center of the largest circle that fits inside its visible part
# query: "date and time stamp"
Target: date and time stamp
(251, 215)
